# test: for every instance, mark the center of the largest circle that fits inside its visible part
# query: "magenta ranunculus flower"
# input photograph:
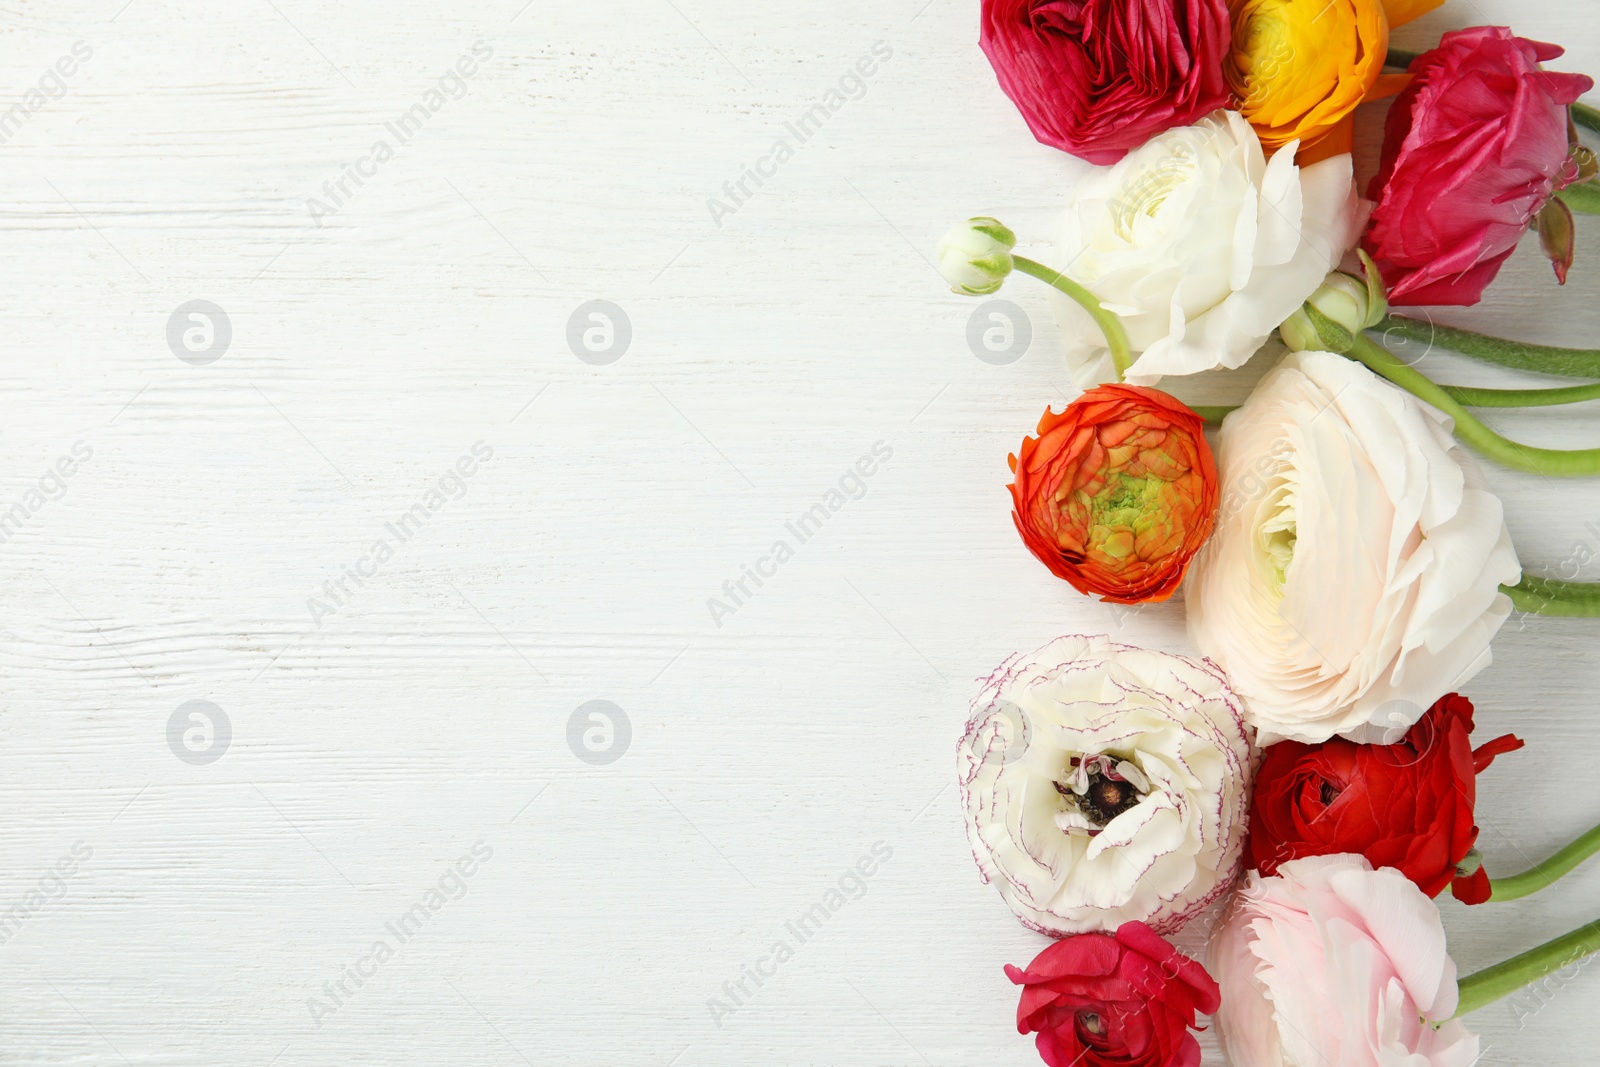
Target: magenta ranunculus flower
(1127, 999)
(1473, 150)
(1098, 78)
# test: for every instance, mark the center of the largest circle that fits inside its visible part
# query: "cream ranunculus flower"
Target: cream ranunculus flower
(1201, 246)
(1332, 962)
(1104, 783)
(1354, 575)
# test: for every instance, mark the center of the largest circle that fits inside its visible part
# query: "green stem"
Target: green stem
(1465, 395)
(1516, 886)
(1521, 398)
(1586, 116)
(1213, 412)
(1583, 197)
(1490, 984)
(1468, 428)
(1110, 325)
(1399, 57)
(1540, 359)
(1551, 596)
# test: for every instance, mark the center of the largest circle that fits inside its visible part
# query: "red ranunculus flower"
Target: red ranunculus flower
(1100, 77)
(1122, 1000)
(1406, 805)
(1117, 493)
(1473, 150)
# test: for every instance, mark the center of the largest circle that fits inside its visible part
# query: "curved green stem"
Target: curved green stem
(1490, 984)
(1540, 359)
(1583, 197)
(1468, 428)
(1465, 395)
(1586, 116)
(1521, 398)
(1551, 596)
(1399, 57)
(1515, 886)
(1110, 325)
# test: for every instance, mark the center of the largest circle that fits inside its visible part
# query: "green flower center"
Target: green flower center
(1280, 532)
(1127, 507)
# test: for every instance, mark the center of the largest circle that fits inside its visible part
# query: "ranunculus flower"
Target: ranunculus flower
(1114, 1000)
(1201, 246)
(1298, 68)
(1117, 493)
(1099, 77)
(1331, 962)
(1105, 784)
(1473, 150)
(1408, 805)
(1354, 575)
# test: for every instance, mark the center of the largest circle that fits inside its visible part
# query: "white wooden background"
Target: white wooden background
(430, 712)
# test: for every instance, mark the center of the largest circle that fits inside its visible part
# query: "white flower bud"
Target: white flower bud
(1345, 299)
(975, 256)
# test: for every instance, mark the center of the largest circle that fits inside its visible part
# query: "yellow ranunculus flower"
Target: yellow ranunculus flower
(1300, 67)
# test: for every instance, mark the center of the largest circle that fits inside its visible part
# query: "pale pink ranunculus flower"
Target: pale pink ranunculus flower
(1330, 962)
(1354, 574)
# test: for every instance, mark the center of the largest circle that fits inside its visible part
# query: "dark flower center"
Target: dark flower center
(1105, 798)
(1330, 793)
(1110, 799)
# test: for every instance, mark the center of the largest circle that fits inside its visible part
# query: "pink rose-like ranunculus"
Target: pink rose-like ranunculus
(1473, 149)
(1100, 77)
(1332, 962)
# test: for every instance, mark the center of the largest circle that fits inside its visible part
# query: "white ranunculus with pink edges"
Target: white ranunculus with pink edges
(1354, 575)
(1331, 962)
(1104, 783)
(1201, 246)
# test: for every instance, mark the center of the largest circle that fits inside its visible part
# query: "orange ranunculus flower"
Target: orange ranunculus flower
(1117, 493)
(1298, 68)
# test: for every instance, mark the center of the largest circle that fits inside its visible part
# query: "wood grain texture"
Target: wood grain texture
(375, 746)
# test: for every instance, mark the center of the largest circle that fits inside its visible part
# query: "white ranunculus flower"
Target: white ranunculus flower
(1202, 246)
(1354, 575)
(1104, 783)
(1331, 962)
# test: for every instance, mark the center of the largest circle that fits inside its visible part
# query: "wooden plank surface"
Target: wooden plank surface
(414, 721)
